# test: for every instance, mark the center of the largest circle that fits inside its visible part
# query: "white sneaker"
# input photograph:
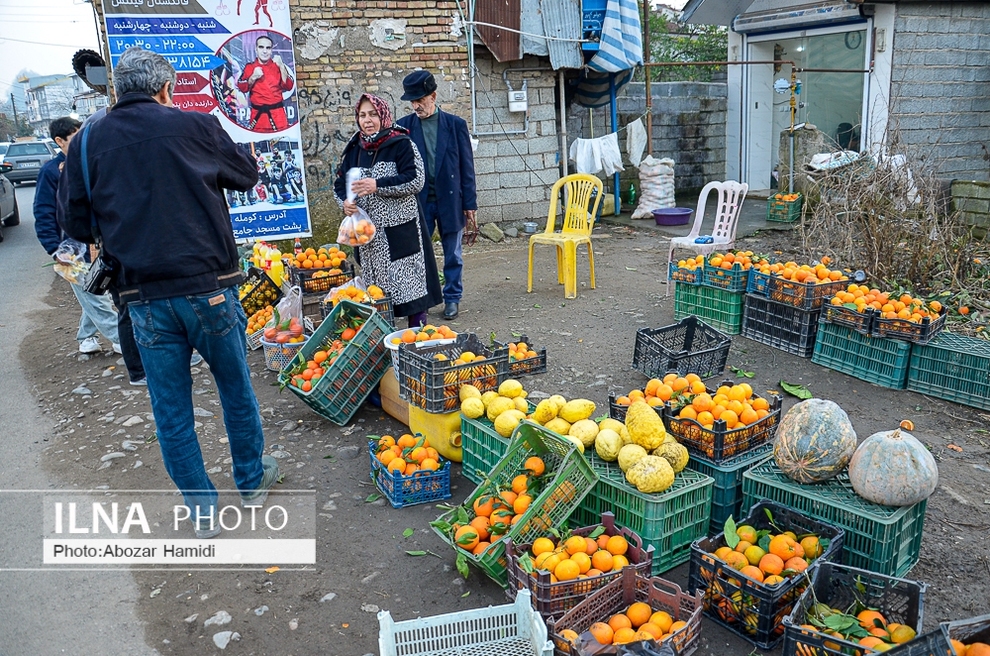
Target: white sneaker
(141, 382)
(90, 345)
(116, 349)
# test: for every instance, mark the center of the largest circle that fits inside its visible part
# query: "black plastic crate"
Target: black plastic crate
(263, 291)
(529, 366)
(975, 629)
(840, 586)
(321, 280)
(434, 385)
(841, 315)
(917, 333)
(781, 326)
(719, 443)
(618, 411)
(689, 346)
(748, 607)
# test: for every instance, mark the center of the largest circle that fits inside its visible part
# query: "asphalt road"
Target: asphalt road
(44, 612)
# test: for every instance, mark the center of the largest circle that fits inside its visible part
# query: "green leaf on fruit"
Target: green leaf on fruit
(729, 530)
(595, 533)
(800, 391)
(764, 543)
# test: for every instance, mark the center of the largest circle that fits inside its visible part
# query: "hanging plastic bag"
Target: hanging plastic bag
(356, 229)
(286, 324)
(70, 260)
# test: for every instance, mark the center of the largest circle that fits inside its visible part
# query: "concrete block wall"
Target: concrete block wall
(940, 84)
(688, 126)
(972, 200)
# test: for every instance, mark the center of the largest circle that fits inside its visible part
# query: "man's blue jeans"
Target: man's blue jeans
(453, 262)
(166, 331)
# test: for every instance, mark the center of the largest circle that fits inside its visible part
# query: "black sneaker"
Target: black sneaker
(268, 479)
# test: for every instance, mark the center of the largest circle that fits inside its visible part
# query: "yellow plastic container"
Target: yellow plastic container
(443, 431)
(391, 402)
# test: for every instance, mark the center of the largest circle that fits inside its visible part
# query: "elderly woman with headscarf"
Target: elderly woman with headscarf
(399, 258)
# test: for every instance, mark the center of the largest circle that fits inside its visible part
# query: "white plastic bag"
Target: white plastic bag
(287, 320)
(71, 261)
(356, 229)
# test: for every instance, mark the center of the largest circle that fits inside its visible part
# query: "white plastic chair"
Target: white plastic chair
(731, 195)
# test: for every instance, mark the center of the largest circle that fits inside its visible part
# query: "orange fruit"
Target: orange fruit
(617, 545)
(602, 560)
(534, 465)
(397, 465)
(622, 636)
(812, 547)
(736, 560)
(958, 647)
(567, 570)
(662, 619)
(575, 544)
(521, 504)
(602, 632)
(618, 562)
(752, 572)
(771, 564)
(651, 629)
(466, 537)
(903, 634)
(570, 636)
(619, 621)
(590, 546)
(870, 641)
(639, 613)
(773, 579)
(484, 505)
(797, 563)
(481, 525)
(869, 618)
(480, 547)
(742, 546)
(677, 626)
(783, 546)
(746, 533)
(978, 649)
(583, 560)
(542, 545)
(754, 555)
(519, 483)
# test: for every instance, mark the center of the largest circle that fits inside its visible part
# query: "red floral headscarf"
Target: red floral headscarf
(387, 130)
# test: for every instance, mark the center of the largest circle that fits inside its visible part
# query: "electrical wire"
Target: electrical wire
(529, 34)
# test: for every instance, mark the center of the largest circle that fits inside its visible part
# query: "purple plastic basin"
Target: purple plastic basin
(672, 216)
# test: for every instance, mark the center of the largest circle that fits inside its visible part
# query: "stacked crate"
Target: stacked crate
(711, 293)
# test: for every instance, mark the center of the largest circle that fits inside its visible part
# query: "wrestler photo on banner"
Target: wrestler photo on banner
(255, 88)
(280, 178)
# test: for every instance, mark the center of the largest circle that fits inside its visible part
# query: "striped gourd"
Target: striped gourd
(814, 441)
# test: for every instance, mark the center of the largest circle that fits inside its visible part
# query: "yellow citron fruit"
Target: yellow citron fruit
(507, 421)
(469, 391)
(585, 430)
(558, 425)
(576, 410)
(498, 405)
(576, 442)
(472, 407)
(521, 404)
(545, 411)
(487, 397)
(510, 388)
(558, 401)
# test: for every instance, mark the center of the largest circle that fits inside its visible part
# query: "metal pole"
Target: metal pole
(649, 93)
(615, 128)
(790, 160)
(563, 123)
(17, 126)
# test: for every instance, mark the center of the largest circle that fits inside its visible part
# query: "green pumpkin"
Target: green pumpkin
(815, 441)
(894, 469)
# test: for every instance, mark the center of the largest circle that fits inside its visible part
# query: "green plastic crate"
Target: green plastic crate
(880, 361)
(572, 479)
(669, 521)
(784, 211)
(952, 367)
(719, 308)
(727, 492)
(355, 373)
(882, 539)
(481, 447)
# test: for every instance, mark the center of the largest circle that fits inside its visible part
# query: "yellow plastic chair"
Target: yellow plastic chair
(575, 229)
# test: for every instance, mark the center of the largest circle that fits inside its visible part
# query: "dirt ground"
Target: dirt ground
(362, 565)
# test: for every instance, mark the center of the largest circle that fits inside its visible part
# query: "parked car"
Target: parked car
(27, 158)
(3, 149)
(8, 202)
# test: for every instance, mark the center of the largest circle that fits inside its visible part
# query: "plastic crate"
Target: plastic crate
(839, 586)
(618, 411)
(720, 444)
(358, 368)
(572, 478)
(434, 385)
(264, 292)
(553, 599)
(743, 605)
(312, 308)
(669, 521)
(731, 280)
(618, 595)
(727, 494)
(529, 366)
(876, 360)
(952, 367)
(684, 275)
(720, 309)
(383, 305)
(758, 283)
(779, 325)
(254, 339)
(882, 539)
(975, 629)
(784, 211)
(917, 333)
(278, 356)
(841, 315)
(803, 295)
(422, 486)
(481, 447)
(312, 281)
(689, 346)
(508, 630)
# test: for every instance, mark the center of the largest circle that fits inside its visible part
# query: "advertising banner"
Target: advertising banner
(234, 60)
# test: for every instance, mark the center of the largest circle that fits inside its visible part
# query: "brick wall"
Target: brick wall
(939, 84)
(688, 127)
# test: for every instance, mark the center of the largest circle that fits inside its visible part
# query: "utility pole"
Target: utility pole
(17, 126)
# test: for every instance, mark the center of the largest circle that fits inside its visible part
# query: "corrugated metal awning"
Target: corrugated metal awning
(797, 17)
(713, 12)
(504, 44)
(562, 20)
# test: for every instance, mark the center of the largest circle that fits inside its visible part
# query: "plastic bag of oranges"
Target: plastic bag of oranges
(356, 229)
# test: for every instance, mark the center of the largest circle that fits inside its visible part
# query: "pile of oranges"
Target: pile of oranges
(870, 629)
(425, 334)
(357, 295)
(691, 263)
(637, 622)
(323, 258)
(495, 512)
(658, 392)
(972, 649)
(782, 555)
(520, 351)
(786, 197)
(258, 320)
(744, 259)
(578, 557)
(735, 405)
(407, 455)
(860, 297)
(818, 274)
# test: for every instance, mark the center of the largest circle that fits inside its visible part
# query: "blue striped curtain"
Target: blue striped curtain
(619, 52)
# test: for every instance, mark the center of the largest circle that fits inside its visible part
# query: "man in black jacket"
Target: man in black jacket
(155, 189)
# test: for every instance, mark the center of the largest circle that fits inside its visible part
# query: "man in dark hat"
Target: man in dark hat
(449, 198)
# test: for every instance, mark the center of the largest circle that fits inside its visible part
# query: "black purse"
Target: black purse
(103, 272)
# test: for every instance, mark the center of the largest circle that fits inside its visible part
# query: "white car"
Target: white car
(8, 202)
